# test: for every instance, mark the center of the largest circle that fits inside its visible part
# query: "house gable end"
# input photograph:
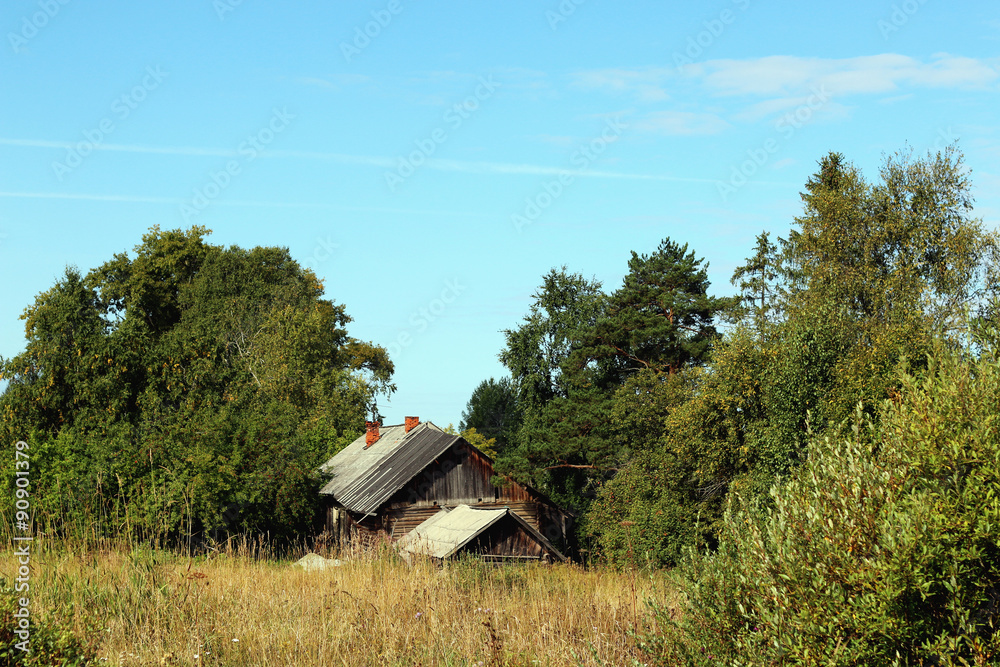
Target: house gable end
(363, 482)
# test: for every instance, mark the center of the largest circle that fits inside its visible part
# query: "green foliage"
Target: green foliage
(192, 387)
(51, 640)
(660, 318)
(564, 306)
(648, 514)
(903, 245)
(566, 448)
(494, 411)
(648, 511)
(706, 432)
(562, 433)
(870, 274)
(656, 325)
(883, 549)
(760, 289)
(579, 349)
(481, 442)
(476, 439)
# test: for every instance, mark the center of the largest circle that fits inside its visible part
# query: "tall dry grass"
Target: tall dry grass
(241, 606)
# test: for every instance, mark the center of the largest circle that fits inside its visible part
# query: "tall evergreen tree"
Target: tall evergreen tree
(869, 275)
(760, 284)
(661, 318)
(564, 423)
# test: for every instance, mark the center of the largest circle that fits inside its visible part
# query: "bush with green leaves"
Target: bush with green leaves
(883, 549)
(51, 641)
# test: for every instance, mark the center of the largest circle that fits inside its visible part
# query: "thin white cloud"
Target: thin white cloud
(89, 197)
(646, 83)
(461, 166)
(564, 141)
(682, 123)
(896, 98)
(162, 150)
(333, 81)
(538, 170)
(820, 107)
(783, 83)
(988, 181)
(793, 76)
(82, 196)
(224, 202)
(885, 73)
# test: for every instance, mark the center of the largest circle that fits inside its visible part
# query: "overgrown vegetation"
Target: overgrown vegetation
(882, 550)
(188, 388)
(238, 605)
(832, 468)
(642, 417)
(825, 470)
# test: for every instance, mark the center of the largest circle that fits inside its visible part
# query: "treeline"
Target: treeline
(186, 389)
(633, 409)
(883, 549)
(825, 473)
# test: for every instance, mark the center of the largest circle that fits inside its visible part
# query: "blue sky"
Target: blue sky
(431, 160)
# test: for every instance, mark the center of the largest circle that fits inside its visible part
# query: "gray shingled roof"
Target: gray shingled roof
(364, 478)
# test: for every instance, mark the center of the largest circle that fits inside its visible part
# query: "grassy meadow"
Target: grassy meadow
(241, 605)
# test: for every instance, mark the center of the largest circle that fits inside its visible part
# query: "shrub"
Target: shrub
(884, 549)
(51, 642)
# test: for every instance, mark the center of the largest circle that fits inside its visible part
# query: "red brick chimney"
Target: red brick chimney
(371, 436)
(411, 423)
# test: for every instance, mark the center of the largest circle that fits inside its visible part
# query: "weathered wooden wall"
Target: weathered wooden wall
(506, 539)
(461, 476)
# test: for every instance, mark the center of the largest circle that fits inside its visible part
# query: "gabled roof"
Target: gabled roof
(366, 477)
(445, 533)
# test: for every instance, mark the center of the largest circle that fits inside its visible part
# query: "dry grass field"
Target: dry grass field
(239, 606)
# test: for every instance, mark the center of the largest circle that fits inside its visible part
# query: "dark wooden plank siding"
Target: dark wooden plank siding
(403, 520)
(400, 521)
(460, 476)
(506, 539)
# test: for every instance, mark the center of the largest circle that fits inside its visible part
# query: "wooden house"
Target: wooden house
(393, 478)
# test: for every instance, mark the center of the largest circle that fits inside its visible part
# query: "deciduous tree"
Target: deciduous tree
(189, 385)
